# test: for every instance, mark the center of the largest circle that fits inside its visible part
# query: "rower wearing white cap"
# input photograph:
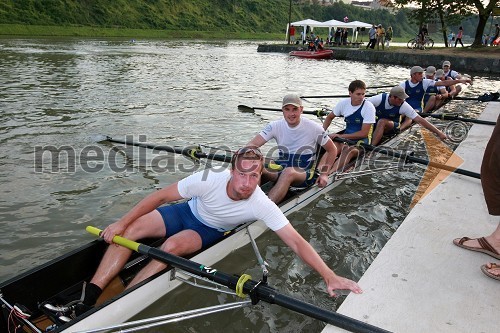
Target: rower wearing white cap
(451, 74)
(434, 96)
(389, 108)
(416, 86)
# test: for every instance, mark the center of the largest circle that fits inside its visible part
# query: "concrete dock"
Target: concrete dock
(420, 281)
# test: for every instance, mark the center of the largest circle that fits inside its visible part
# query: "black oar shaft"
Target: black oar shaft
(244, 108)
(262, 291)
(475, 99)
(330, 96)
(453, 117)
(189, 152)
(410, 158)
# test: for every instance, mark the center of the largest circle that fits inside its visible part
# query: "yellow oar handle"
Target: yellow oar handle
(131, 245)
(274, 166)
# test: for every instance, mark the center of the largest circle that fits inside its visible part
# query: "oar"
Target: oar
(380, 87)
(409, 158)
(243, 284)
(194, 153)
(332, 96)
(249, 109)
(488, 97)
(444, 116)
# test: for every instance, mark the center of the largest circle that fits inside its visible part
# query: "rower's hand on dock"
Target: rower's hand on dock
(322, 180)
(443, 137)
(341, 283)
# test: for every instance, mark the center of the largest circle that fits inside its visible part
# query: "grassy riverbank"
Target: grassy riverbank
(84, 31)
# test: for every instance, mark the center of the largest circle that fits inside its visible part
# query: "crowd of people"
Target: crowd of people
(492, 40)
(378, 36)
(217, 202)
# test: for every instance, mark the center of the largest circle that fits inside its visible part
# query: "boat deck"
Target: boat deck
(420, 281)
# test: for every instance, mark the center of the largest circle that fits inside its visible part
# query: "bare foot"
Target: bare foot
(492, 270)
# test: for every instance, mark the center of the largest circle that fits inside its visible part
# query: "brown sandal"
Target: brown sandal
(485, 247)
(485, 269)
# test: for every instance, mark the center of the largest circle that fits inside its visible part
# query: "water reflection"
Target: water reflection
(69, 92)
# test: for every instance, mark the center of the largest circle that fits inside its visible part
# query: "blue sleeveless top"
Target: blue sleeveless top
(355, 121)
(383, 113)
(416, 95)
(429, 92)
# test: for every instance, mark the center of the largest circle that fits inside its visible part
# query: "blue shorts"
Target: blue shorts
(311, 176)
(179, 217)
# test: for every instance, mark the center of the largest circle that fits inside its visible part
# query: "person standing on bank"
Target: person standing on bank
(490, 182)
(380, 36)
(388, 36)
(372, 35)
(459, 36)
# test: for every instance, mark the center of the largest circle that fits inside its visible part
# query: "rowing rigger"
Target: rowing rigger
(244, 285)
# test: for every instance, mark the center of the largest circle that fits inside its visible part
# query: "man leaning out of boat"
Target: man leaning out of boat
(389, 109)
(218, 201)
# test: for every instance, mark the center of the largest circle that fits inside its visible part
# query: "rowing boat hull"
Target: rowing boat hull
(323, 54)
(84, 261)
(71, 269)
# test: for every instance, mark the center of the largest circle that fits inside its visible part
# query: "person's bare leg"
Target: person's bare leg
(430, 105)
(289, 176)
(383, 126)
(405, 124)
(347, 154)
(149, 225)
(493, 268)
(322, 161)
(180, 244)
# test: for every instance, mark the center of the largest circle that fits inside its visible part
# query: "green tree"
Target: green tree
(450, 12)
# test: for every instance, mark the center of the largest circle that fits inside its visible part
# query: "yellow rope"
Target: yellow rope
(241, 282)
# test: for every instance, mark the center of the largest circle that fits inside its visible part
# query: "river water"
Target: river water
(65, 94)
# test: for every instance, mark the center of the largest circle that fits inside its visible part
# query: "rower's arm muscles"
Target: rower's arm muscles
(328, 120)
(423, 122)
(363, 133)
(153, 201)
(303, 249)
(257, 141)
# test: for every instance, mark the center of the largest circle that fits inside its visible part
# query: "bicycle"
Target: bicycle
(414, 43)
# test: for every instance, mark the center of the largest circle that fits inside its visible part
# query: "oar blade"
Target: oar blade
(246, 109)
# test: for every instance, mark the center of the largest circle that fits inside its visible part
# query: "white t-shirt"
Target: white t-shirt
(302, 138)
(212, 206)
(344, 108)
(451, 73)
(405, 108)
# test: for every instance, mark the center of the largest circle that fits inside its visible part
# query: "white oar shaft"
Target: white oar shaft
(174, 317)
(261, 261)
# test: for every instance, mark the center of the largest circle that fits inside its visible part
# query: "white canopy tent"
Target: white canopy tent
(335, 24)
(354, 25)
(305, 23)
(329, 24)
(357, 24)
